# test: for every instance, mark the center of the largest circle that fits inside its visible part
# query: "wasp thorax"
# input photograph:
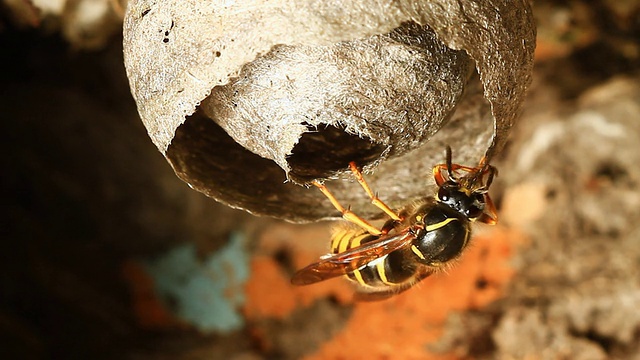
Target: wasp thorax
(442, 235)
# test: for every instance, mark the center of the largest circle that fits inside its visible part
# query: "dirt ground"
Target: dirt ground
(107, 255)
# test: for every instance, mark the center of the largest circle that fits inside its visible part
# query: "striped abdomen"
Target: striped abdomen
(394, 269)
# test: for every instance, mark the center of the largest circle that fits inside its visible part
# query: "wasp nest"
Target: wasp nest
(250, 101)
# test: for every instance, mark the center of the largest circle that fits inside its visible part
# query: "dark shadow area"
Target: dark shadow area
(84, 193)
(207, 158)
(311, 158)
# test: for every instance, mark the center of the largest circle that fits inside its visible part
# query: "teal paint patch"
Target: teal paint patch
(205, 293)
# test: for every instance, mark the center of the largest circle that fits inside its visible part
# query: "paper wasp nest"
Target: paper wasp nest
(250, 100)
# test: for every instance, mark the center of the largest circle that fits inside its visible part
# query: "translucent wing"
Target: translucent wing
(352, 259)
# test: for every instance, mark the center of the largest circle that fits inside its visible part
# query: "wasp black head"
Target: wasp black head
(466, 194)
(469, 203)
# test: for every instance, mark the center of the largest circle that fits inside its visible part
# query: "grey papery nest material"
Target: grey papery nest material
(248, 101)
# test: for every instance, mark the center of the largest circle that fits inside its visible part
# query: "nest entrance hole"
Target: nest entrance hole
(323, 151)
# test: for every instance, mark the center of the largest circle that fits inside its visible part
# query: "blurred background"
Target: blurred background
(106, 254)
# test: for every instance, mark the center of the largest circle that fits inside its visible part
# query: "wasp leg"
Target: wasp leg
(438, 175)
(450, 168)
(388, 226)
(493, 172)
(490, 216)
(455, 167)
(346, 213)
(374, 197)
(483, 162)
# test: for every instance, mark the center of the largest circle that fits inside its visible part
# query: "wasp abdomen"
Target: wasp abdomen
(389, 270)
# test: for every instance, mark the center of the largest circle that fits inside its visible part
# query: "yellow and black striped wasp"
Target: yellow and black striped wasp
(415, 242)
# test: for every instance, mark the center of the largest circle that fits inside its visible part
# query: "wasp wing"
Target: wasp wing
(352, 259)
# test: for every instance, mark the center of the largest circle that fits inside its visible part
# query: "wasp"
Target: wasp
(417, 241)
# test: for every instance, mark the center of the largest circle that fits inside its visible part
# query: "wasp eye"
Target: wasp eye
(447, 190)
(443, 194)
(477, 207)
(474, 212)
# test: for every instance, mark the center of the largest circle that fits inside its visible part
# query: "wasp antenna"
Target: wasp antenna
(449, 162)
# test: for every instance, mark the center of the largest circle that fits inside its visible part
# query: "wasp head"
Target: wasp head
(466, 194)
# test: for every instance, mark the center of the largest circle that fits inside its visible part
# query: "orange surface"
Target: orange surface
(269, 292)
(400, 327)
(149, 310)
